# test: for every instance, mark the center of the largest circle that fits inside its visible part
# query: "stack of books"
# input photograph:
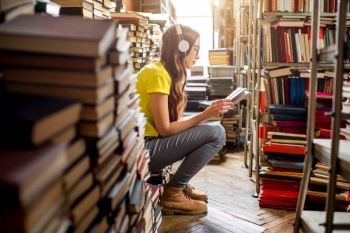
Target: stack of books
(288, 118)
(219, 56)
(317, 191)
(87, 78)
(230, 122)
(101, 189)
(196, 88)
(138, 35)
(281, 180)
(39, 153)
(221, 81)
(11, 9)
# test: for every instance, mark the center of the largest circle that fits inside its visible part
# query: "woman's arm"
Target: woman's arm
(159, 102)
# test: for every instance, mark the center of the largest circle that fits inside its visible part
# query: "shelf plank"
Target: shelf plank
(324, 66)
(311, 220)
(322, 150)
(275, 13)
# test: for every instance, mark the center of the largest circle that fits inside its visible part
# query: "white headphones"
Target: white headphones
(183, 44)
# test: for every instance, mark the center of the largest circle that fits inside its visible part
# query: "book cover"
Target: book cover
(50, 61)
(26, 173)
(287, 149)
(59, 34)
(287, 109)
(27, 120)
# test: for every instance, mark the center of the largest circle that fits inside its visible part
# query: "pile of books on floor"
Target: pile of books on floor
(317, 191)
(281, 179)
(89, 141)
(230, 122)
(11, 9)
(220, 81)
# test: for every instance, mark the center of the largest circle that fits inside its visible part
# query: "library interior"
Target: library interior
(203, 116)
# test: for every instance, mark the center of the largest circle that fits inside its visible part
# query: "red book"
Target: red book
(323, 119)
(287, 124)
(281, 169)
(326, 133)
(280, 148)
(321, 112)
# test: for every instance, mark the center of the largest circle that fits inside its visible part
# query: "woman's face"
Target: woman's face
(192, 55)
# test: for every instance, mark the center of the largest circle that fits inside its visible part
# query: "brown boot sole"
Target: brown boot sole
(173, 212)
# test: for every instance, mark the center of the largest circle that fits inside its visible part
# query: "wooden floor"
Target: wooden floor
(231, 207)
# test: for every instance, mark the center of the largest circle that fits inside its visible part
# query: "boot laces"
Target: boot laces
(185, 195)
(188, 188)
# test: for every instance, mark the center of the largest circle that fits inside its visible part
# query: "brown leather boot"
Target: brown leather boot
(191, 192)
(195, 194)
(175, 201)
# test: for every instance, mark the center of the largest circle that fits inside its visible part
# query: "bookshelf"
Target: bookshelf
(158, 6)
(262, 18)
(333, 152)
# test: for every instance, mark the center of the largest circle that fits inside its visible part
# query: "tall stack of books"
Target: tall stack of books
(11, 9)
(87, 77)
(79, 66)
(220, 81)
(138, 27)
(281, 180)
(39, 154)
(219, 56)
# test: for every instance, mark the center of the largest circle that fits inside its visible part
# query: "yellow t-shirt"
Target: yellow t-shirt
(152, 78)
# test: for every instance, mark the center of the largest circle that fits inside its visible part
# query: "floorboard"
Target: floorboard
(231, 207)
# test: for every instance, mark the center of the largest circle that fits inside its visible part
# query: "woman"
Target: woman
(171, 137)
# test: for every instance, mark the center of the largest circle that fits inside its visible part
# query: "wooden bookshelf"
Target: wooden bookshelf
(333, 152)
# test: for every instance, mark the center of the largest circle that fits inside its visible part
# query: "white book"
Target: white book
(297, 43)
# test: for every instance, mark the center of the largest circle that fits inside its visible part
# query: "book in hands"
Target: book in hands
(236, 96)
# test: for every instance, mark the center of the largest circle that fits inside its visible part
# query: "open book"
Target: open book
(236, 96)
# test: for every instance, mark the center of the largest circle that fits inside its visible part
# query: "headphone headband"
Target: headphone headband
(183, 44)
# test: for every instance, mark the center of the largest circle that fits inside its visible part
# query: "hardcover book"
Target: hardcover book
(59, 35)
(27, 120)
(26, 173)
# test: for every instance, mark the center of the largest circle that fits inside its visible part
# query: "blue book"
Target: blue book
(286, 164)
(288, 109)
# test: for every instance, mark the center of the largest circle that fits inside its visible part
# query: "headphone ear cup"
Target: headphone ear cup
(183, 46)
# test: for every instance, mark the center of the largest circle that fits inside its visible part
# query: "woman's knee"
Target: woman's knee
(216, 132)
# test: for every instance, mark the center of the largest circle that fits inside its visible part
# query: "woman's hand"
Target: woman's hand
(218, 107)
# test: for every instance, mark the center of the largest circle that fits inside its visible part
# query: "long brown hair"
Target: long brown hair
(174, 62)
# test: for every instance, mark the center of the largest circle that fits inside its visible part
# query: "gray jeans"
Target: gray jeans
(196, 146)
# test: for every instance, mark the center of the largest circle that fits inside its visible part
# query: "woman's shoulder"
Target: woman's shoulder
(154, 68)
